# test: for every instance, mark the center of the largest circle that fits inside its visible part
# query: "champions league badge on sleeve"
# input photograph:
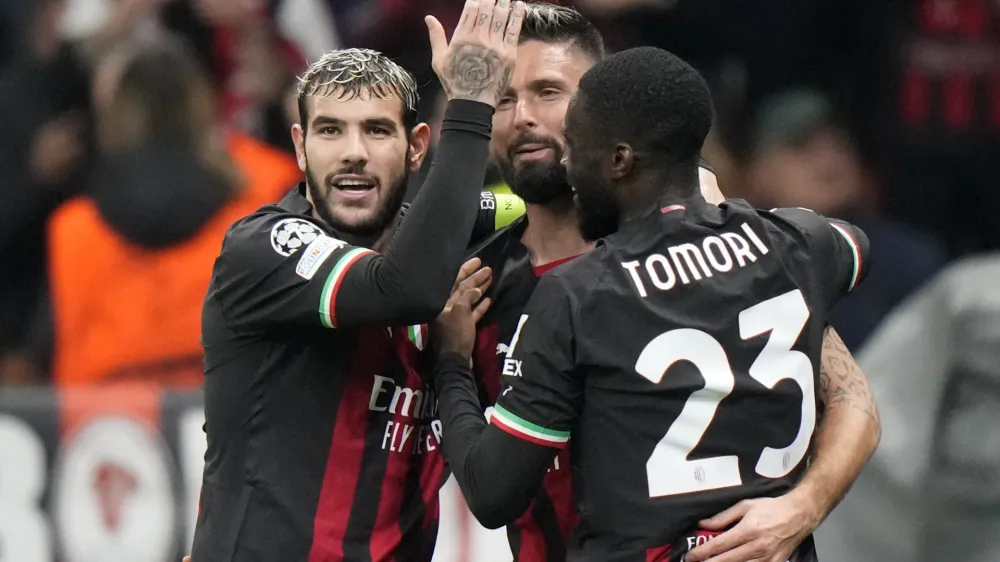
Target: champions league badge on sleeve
(290, 235)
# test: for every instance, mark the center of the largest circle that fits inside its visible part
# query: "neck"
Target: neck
(553, 232)
(654, 188)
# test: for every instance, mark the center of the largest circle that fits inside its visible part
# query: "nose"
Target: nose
(355, 149)
(524, 115)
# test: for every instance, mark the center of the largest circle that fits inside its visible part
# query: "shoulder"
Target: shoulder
(579, 278)
(273, 232)
(496, 211)
(493, 246)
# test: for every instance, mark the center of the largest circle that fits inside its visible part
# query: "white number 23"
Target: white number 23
(668, 470)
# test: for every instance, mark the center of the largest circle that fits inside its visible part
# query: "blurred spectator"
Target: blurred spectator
(804, 157)
(932, 490)
(930, 95)
(44, 144)
(131, 261)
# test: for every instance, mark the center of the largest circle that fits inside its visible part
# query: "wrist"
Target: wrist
(811, 503)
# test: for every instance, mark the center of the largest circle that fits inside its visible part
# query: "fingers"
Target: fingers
(484, 19)
(732, 539)
(478, 280)
(467, 21)
(467, 269)
(480, 310)
(514, 24)
(435, 31)
(501, 13)
(727, 518)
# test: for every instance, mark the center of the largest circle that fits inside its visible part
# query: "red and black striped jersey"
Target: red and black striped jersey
(322, 439)
(322, 444)
(541, 534)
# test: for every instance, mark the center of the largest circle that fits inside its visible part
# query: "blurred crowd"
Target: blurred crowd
(135, 131)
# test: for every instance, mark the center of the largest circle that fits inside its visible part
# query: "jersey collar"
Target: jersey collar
(295, 201)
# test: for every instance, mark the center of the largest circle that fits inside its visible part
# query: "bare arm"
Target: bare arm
(849, 431)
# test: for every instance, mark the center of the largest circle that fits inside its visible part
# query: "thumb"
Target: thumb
(727, 518)
(435, 32)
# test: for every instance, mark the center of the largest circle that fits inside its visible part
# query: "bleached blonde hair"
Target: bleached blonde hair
(353, 73)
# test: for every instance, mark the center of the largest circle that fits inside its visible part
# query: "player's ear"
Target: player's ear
(622, 160)
(299, 140)
(420, 141)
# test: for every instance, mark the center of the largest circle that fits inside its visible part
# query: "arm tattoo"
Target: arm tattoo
(841, 381)
(472, 70)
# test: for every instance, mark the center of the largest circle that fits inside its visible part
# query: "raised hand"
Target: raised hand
(478, 63)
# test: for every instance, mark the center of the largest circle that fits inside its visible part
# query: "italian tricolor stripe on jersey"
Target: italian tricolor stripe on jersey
(418, 335)
(526, 430)
(855, 250)
(328, 299)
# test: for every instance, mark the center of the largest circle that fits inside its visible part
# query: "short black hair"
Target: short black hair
(650, 99)
(549, 23)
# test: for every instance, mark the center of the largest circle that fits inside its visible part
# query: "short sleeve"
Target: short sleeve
(545, 393)
(278, 269)
(840, 249)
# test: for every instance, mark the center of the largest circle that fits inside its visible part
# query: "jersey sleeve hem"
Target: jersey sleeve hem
(328, 297)
(855, 250)
(527, 431)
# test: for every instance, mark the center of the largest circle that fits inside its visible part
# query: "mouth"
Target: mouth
(532, 151)
(353, 186)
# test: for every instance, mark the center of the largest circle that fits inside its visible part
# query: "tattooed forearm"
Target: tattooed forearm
(841, 381)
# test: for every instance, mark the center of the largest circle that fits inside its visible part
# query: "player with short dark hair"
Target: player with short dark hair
(321, 445)
(528, 146)
(681, 353)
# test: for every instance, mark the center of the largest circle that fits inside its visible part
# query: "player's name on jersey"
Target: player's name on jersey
(690, 262)
(418, 404)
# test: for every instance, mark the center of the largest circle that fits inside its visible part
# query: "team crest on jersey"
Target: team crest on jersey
(291, 235)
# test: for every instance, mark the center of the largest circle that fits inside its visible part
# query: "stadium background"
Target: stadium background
(884, 112)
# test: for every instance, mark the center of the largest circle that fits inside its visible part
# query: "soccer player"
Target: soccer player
(681, 353)
(557, 45)
(318, 422)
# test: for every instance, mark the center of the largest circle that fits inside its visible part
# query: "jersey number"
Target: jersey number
(668, 470)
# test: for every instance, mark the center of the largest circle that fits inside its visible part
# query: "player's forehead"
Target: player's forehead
(541, 62)
(355, 107)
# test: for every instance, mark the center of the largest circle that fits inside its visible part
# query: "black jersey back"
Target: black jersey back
(682, 356)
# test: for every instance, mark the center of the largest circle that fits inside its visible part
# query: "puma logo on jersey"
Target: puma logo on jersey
(502, 348)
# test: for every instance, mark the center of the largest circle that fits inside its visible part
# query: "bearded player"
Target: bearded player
(681, 354)
(321, 445)
(557, 45)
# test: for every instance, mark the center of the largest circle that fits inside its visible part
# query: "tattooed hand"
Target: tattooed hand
(478, 63)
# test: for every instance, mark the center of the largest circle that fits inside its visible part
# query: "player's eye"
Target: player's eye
(505, 103)
(550, 93)
(329, 130)
(378, 131)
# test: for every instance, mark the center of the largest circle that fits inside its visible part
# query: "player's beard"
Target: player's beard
(536, 182)
(370, 228)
